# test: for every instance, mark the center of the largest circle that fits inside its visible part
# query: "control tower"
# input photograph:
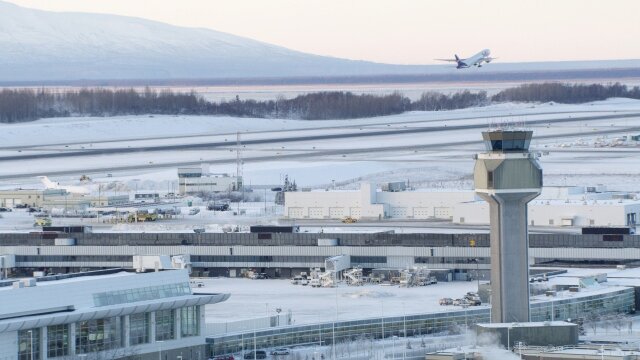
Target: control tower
(508, 176)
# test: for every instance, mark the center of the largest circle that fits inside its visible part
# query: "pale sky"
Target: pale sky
(403, 31)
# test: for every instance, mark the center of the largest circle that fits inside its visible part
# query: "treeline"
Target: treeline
(27, 104)
(17, 105)
(565, 93)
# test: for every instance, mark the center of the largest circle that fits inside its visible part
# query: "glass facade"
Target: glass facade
(190, 321)
(165, 325)
(141, 294)
(98, 335)
(29, 344)
(139, 328)
(621, 301)
(57, 340)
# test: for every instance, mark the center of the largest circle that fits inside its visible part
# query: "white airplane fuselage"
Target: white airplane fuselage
(475, 60)
(48, 184)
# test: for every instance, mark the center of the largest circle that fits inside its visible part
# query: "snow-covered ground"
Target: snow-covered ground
(257, 298)
(580, 152)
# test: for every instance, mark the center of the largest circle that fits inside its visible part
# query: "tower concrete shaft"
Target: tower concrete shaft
(508, 177)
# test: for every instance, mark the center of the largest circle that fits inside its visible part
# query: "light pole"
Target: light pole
(159, 342)
(394, 337)
(404, 331)
(31, 343)
(478, 273)
(382, 319)
(334, 326)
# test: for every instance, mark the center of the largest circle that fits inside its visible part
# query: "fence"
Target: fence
(618, 300)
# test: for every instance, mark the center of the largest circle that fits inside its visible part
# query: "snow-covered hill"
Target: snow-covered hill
(41, 45)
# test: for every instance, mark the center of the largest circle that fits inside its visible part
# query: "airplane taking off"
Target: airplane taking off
(48, 184)
(475, 60)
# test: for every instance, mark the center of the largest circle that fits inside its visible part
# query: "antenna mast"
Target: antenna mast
(238, 156)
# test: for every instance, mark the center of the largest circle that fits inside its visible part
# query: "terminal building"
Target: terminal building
(465, 256)
(104, 315)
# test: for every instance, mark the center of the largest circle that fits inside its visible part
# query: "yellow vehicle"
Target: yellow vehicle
(349, 220)
(42, 221)
(141, 216)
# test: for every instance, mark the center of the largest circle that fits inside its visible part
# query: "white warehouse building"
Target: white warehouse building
(556, 206)
(369, 203)
(560, 213)
(104, 315)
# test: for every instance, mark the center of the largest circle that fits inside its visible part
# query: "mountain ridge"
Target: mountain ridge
(46, 46)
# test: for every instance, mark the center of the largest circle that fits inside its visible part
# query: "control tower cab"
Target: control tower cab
(508, 176)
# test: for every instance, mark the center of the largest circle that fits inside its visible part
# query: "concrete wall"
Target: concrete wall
(555, 334)
(8, 345)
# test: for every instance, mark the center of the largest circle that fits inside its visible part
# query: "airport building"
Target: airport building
(465, 256)
(369, 203)
(29, 197)
(57, 198)
(193, 180)
(103, 315)
(581, 213)
(556, 206)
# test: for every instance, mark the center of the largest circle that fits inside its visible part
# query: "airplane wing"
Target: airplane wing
(450, 60)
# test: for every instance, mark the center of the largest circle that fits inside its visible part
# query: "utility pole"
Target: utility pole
(239, 182)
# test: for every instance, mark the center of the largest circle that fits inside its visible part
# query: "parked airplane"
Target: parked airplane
(48, 184)
(475, 60)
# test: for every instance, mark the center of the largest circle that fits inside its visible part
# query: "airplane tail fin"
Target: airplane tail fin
(457, 58)
(47, 183)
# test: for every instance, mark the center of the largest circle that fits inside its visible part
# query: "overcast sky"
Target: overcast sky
(403, 31)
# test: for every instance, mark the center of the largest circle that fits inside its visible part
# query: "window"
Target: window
(139, 328)
(369, 259)
(29, 344)
(57, 340)
(165, 324)
(98, 335)
(141, 294)
(490, 179)
(190, 321)
(612, 238)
